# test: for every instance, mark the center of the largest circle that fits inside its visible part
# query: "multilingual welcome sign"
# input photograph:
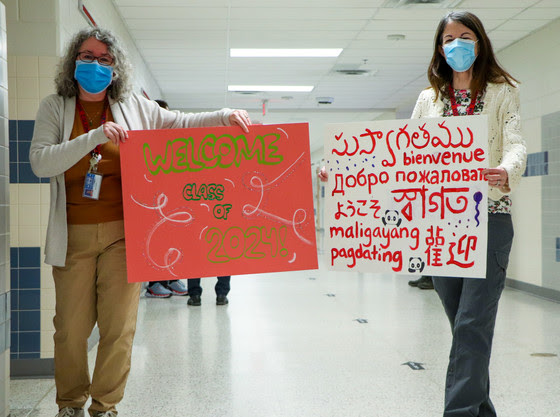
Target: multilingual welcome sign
(408, 196)
(216, 201)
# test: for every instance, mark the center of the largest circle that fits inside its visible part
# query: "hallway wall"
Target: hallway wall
(4, 226)
(535, 257)
(37, 35)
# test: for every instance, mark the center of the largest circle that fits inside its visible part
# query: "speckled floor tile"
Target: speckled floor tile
(322, 344)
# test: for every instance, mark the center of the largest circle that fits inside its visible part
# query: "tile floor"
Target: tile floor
(319, 344)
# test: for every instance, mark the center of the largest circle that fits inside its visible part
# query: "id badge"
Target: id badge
(92, 185)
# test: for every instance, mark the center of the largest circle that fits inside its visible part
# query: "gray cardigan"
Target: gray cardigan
(52, 153)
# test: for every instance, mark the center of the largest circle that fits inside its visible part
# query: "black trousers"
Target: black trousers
(471, 306)
(222, 286)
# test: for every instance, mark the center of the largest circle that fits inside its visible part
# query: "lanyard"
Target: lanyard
(470, 109)
(96, 153)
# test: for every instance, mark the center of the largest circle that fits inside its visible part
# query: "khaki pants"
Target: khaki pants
(92, 288)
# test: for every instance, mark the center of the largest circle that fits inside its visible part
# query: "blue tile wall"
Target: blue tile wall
(14, 258)
(549, 162)
(537, 164)
(15, 321)
(29, 257)
(29, 355)
(25, 300)
(29, 321)
(14, 298)
(20, 135)
(25, 130)
(29, 278)
(29, 300)
(29, 345)
(12, 130)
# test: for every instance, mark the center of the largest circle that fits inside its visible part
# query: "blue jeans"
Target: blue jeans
(222, 286)
(471, 306)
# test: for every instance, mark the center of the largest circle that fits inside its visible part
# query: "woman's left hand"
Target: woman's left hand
(497, 177)
(240, 118)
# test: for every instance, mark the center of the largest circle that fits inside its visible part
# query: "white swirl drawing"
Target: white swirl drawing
(249, 209)
(173, 255)
(201, 233)
(263, 186)
(287, 137)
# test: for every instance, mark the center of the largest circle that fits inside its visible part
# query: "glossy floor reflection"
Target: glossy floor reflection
(319, 343)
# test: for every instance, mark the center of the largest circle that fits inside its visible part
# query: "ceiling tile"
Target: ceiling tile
(288, 13)
(524, 26)
(544, 13)
(186, 47)
(174, 13)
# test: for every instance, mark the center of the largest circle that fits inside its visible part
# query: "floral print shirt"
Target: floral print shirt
(463, 98)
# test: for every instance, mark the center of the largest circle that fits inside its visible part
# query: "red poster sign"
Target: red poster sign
(216, 201)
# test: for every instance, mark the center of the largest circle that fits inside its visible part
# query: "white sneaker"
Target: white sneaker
(70, 412)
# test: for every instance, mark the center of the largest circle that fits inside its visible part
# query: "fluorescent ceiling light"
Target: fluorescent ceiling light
(291, 88)
(284, 53)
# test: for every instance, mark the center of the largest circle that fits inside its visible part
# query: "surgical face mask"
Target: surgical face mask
(460, 54)
(93, 78)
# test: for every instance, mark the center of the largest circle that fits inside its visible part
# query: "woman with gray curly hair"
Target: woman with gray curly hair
(75, 142)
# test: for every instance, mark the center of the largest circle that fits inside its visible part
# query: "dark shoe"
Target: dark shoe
(415, 282)
(426, 283)
(221, 300)
(194, 300)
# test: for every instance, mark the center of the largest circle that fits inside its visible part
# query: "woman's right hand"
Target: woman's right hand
(323, 174)
(115, 133)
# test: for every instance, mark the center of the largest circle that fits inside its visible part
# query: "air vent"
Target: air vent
(325, 100)
(443, 4)
(353, 72)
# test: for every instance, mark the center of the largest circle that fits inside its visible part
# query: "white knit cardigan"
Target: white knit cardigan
(52, 153)
(506, 147)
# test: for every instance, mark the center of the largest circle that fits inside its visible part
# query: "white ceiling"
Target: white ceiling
(186, 46)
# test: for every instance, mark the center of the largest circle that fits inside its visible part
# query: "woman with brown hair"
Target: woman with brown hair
(466, 79)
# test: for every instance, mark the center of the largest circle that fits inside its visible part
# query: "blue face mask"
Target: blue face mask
(93, 78)
(460, 54)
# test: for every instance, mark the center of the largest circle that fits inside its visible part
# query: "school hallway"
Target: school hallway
(319, 344)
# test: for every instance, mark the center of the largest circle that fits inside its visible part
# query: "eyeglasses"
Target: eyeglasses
(106, 60)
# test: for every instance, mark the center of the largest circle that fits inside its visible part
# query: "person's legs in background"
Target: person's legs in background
(158, 289)
(195, 291)
(222, 289)
(177, 287)
(424, 283)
